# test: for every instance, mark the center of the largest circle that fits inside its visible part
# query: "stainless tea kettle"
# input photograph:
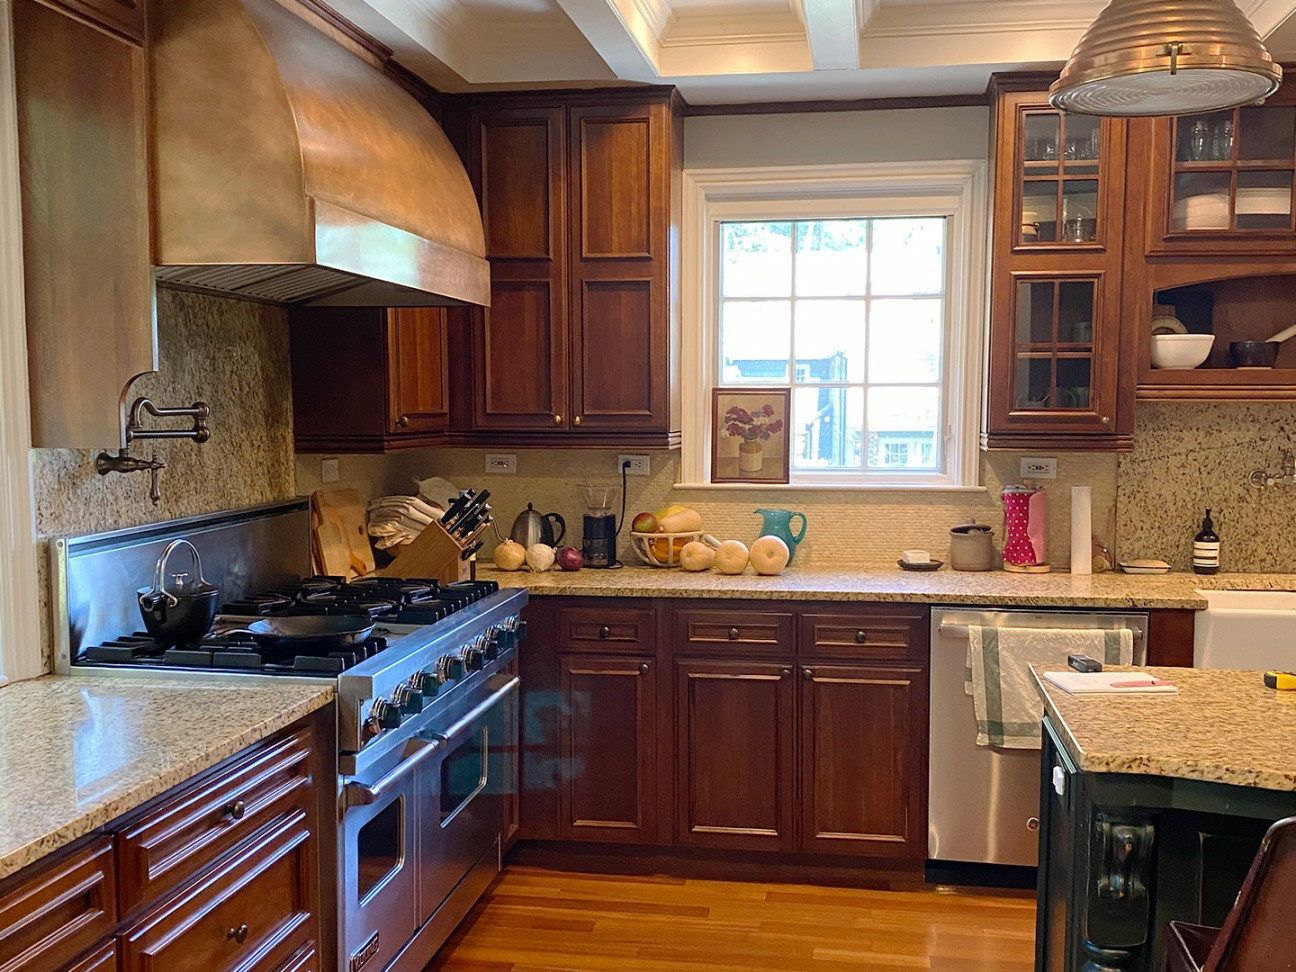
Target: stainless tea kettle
(531, 527)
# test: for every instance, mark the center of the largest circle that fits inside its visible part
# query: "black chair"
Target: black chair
(1259, 934)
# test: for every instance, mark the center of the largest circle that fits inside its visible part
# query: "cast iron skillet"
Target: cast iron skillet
(321, 630)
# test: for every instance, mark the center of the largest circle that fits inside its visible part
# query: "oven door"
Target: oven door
(377, 843)
(462, 793)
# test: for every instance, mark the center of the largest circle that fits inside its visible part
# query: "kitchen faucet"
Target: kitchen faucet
(1260, 478)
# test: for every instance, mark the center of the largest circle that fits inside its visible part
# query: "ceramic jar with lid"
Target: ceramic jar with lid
(972, 547)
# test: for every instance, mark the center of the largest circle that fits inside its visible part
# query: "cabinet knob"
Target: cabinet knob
(1032, 823)
(1106, 420)
(861, 636)
(733, 634)
(403, 421)
(239, 934)
(643, 668)
(784, 672)
(235, 809)
(605, 632)
(807, 674)
(576, 420)
(557, 419)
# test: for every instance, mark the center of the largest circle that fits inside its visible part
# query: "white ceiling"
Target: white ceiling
(723, 51)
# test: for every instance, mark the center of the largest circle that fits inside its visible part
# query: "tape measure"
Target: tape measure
(1284, 681)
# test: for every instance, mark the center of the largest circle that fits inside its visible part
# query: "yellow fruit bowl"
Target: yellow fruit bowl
(661, 549)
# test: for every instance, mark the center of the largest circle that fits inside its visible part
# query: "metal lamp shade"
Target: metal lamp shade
(1166, 57)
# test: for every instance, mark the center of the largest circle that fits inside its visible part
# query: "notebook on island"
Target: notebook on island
(1110, 683)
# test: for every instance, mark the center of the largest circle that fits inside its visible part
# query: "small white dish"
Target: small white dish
(1181, 350)
(1144, 567)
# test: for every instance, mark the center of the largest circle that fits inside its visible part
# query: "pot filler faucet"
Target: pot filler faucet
(1259, 478)
(123, 462)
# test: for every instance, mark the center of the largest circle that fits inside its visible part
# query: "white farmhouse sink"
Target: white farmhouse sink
(1246, 629)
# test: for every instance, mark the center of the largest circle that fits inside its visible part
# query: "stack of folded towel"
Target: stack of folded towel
(396, 520)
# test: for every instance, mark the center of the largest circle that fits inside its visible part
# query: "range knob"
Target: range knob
(427, 682)
(520, 631)
(449, 668)
(491, 643)
(386, 714)
(409, 698)
(505, 637)
(474, 658)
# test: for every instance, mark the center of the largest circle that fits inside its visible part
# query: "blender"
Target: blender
(599, 536)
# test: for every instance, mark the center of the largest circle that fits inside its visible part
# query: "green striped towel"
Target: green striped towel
(998, 674)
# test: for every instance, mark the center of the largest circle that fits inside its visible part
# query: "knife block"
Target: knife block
(433, 555)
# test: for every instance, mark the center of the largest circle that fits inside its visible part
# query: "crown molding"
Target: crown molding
(1009, 17)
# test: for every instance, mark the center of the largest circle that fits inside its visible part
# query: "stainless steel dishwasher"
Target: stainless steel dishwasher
(983, 801)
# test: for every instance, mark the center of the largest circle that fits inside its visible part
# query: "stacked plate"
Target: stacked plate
(1264, 201)
(1210, 210)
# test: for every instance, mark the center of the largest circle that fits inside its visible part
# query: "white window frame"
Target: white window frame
(20, 634)
(953, 189)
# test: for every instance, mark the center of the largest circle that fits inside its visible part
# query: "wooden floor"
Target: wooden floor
(535, 920)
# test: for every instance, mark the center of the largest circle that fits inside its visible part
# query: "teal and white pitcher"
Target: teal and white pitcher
(778, 523)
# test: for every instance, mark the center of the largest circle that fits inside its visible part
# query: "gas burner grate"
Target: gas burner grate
(230, 654)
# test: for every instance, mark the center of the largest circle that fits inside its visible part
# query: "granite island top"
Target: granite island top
(1221, 727)
(1112, 589)
(78, 752)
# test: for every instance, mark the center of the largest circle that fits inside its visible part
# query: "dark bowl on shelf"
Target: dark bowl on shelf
(1254, 354)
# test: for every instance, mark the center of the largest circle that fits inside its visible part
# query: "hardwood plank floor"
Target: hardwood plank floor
(536, 920)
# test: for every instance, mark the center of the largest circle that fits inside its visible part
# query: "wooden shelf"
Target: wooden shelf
(1218, 384)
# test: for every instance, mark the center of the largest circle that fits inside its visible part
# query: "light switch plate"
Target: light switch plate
(1033, 468)
(501, 462)
(328, 471)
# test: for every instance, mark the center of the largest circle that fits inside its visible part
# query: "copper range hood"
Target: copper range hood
(288, 169)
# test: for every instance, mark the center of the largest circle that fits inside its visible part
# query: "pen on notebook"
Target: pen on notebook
(1141, 683)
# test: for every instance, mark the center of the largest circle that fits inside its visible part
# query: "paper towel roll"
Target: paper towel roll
(1081, 529)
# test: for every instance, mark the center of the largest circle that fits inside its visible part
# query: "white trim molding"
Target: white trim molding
(956, 189)
(20, 655)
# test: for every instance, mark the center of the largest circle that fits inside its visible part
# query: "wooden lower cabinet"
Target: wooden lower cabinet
(864, 760)
(735, 775)
(606, 730)
(102, 959)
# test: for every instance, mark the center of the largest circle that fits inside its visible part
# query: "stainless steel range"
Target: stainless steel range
(426, 703)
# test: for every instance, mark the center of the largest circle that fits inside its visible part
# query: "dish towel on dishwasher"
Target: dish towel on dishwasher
(998, 674)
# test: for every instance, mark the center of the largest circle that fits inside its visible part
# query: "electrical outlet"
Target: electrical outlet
(639, 465)
(328, 471)
(501, 462)
(1038, 468)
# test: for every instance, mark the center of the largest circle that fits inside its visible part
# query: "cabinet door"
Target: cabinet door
(125, 17)
(607, 746)
(520, 342)
(619, 332)
(734, 744)
(864, 761)
(416, 362)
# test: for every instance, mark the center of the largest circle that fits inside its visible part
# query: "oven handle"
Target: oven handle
(363, 794)
(477, 711)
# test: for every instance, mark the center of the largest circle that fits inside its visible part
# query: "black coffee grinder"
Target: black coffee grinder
(599, 537)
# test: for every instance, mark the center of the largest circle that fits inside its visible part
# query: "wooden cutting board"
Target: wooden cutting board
(341, 542)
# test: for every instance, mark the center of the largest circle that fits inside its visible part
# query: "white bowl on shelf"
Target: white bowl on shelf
(1181, 350)
(1207, 210)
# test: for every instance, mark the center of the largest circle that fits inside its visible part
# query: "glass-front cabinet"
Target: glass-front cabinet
(1055, 275)
(1222, 181)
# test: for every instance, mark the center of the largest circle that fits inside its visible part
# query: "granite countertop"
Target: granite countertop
(1058, 589)
(1221, 727)
(78, 752)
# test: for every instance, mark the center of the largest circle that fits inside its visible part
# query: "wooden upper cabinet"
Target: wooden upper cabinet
(125, 17)
(864, 760)
(1055, 323)
(369, 379)
(581, 334)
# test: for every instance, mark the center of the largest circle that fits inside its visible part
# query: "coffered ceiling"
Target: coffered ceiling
(719, 51)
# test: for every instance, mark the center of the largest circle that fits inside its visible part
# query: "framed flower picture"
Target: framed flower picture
(749, 435)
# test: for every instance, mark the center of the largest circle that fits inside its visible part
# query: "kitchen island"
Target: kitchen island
(76, 753)
(1151, 809)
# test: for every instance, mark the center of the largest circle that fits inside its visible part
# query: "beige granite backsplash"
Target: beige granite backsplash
(231, 354)
(861, 528)
(1190, 456)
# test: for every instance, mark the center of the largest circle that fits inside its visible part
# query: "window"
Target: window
(859, 288)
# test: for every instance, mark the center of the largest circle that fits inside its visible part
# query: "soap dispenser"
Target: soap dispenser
(1206, 548)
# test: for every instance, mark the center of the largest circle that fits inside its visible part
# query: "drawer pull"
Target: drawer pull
(235, 810)
(807, 674)
(605, 632)
(643, 667)
(784, 672)
(860, 636)
(239, 934)
(733, 634)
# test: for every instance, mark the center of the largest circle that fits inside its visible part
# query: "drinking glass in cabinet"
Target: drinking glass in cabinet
(1083, 138)
(1205, 138)
(1079, 208)
(1043, 131)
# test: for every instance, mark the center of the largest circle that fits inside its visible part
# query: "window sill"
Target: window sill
(838, 487)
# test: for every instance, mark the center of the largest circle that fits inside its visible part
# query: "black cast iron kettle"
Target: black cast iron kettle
(182, 612)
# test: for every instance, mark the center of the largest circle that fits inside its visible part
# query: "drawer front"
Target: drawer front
(102, 959)
(254, 912)
(762, 632)
(306, 959)
(901, 635)
(189, 831)
(605, 630)
(49, 917)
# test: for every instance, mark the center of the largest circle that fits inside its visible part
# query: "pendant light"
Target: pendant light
(1166, 57)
